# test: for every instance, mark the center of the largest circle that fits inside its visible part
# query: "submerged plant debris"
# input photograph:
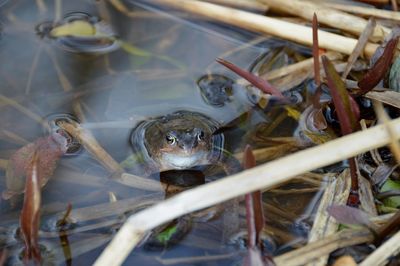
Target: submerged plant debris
(119, 117)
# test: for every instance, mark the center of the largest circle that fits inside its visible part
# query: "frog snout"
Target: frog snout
(188, 143)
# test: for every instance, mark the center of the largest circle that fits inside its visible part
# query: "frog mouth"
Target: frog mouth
(177, 161)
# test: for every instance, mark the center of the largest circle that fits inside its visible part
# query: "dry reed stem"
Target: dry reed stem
(390, 248)
(266, 25)
(366, 11)
(387, 97)
(260, 177)
(323, 247)
(92, 146)
(328, 16)
(359, 48)
(245, 4)
(384, 119)
(324, 224)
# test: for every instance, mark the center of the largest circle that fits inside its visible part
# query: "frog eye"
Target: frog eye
(170, 139)
(200, 136)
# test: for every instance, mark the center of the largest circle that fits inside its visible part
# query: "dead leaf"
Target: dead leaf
(30, 214)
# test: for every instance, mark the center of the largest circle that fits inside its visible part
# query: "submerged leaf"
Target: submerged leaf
(30, 214)
(258, 82)
(381, 66)
(49, 150)
(349, 215)
(388, 186)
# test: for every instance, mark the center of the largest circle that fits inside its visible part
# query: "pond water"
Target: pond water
(145, 62)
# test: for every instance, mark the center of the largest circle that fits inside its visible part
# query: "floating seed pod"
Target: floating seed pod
(81, 33)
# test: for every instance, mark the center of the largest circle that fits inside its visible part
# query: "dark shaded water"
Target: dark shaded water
(155, 71)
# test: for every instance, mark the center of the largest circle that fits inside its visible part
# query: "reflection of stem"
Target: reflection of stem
(33, 68)
(20, 108)
(57, 10)
(66, 85)
(41, 6)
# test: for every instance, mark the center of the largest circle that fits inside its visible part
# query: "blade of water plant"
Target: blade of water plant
(30, 214)
(254, 210)
(348, 116)
(377, 72)
(258, 82)
(345, 110)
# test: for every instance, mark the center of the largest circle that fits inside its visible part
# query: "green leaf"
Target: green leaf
(341, 98)
(393, 202)
(165, 236)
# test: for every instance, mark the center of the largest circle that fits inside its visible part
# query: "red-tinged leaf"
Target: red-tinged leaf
(258, 82)
(30, 214)
(49, 149)
(249, 161)
(258, 214)
(341, 98)
(381, 66)
(349, 215)
(254, 210)
(315, 51)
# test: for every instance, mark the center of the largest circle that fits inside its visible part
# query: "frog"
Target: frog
(181, 140)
